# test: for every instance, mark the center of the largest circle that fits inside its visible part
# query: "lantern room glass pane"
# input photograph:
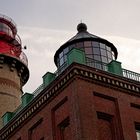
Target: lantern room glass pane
(71, 46)
(61, 61)
(102, 46)
(108, 48)
(65, 58)
(103, 52)
(66, 50)
(95, 44)
(88, 50)
(96, 51)
(104, 59)
(87, 43)
(97, 57)
(109, 55)
(79, 45)
(5, 28)
(61, 54)
(90, 56)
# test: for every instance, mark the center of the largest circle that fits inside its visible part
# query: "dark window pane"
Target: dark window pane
(79, 45)
(61, 61)
(42, 138)
(108, 48)
(65, 58)
(71, 46)
(97, 57)
(96, 51)
(109, 60)
(61, 54)
(102, 46)
(109, 54)
(90, 56)
(98, 66)
(57, 62)
(87, 43)
(103, 52)
(104, 59)
(113, 55)
(88, 50)
(66, 50)
(95, 44)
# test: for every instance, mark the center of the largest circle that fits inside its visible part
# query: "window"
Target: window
(66, 50)
(104, 59)
(34, 132)
(138, 134)
(79, 45)
(88, 50)
(5, 28)
(102, 46)
(90, 56)
(103, 52)
(87, 43)
(96, 51)
(108, 48)
(95, 44)
(62, 57)
(99, 53)
(137, 127)
(109, 54)
(61, 54)
(42, 138)
(61, 61)
(97, 57)
(105, 126)
(65, 129)
(71, 46)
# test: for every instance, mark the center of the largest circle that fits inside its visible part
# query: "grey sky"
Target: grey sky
(118, 16)
(45, 24)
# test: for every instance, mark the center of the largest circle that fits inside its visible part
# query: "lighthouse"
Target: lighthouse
(14, 72)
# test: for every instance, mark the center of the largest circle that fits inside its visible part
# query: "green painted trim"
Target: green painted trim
(7, 117)
(115, 67)
(26, 98)
(76, 55)
(48, 78)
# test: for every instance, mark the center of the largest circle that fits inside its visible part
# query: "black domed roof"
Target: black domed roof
(84, 35)
(82, 27)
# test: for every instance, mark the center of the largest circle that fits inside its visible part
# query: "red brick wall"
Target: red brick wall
(84, 111)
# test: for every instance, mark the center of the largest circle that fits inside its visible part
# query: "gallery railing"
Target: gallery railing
(98, 65)
(131, 75)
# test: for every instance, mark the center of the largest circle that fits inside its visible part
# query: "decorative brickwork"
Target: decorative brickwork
(13, 74)
(55, 89)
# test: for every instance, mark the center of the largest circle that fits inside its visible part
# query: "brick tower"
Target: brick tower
(14, 72)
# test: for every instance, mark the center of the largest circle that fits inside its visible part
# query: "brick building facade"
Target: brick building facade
(82, 101)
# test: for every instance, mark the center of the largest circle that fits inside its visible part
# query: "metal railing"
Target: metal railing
(61, 69)
(98, 65)
(103, 66)
(38, 90)
(131, 75)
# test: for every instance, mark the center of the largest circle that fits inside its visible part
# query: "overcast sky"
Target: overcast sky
(44, 25)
